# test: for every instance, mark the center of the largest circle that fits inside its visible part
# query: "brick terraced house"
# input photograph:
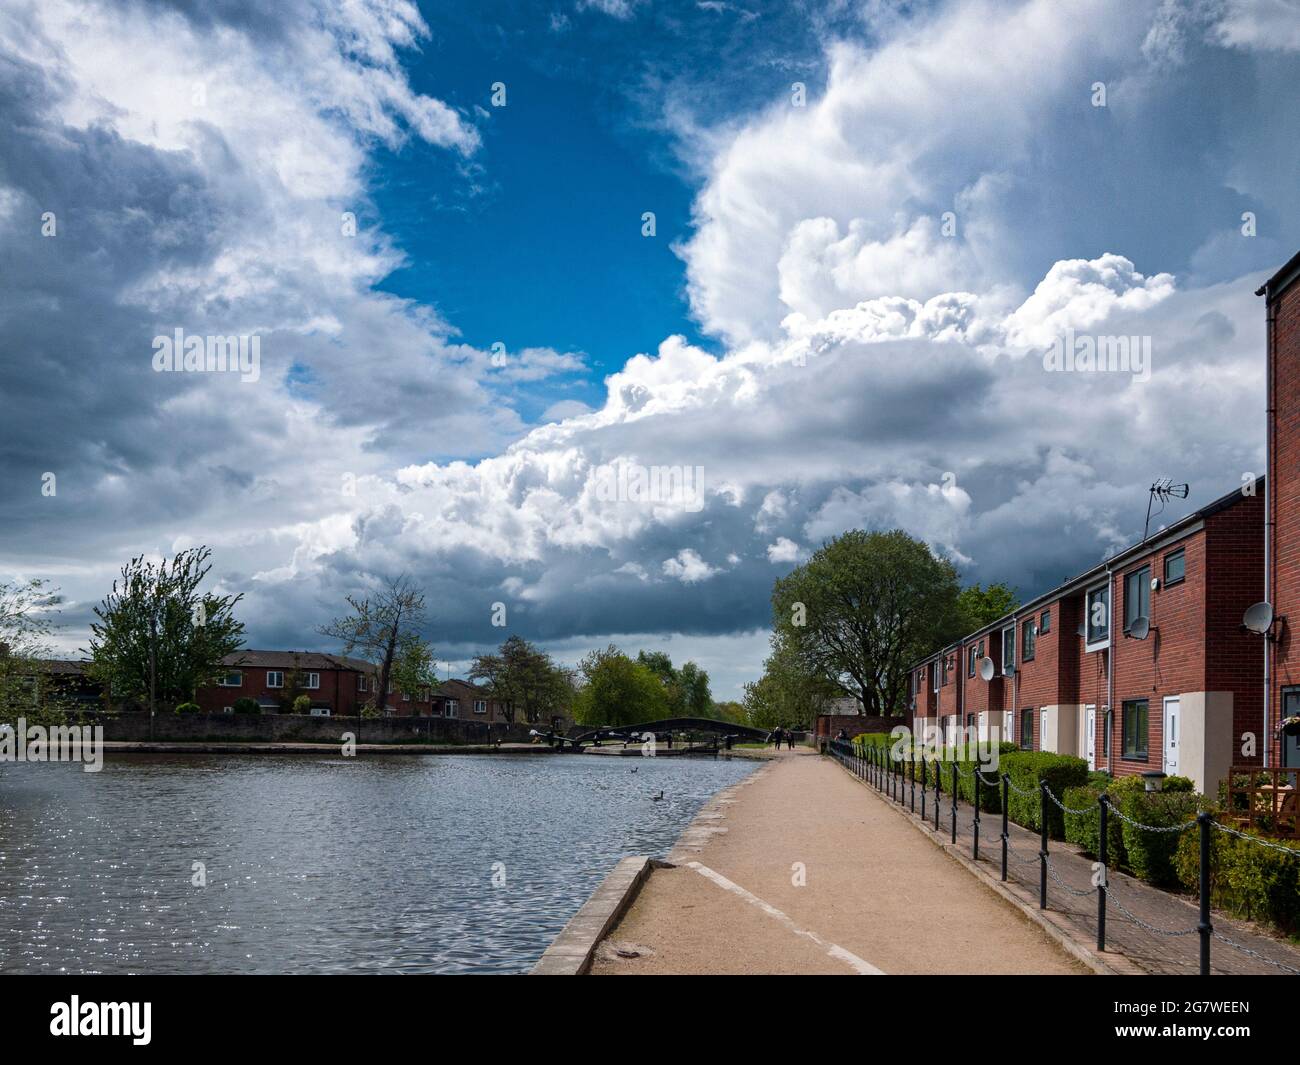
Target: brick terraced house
(1153, 660)
(1279, 657)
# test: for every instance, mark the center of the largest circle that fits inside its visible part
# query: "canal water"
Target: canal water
(387, 864)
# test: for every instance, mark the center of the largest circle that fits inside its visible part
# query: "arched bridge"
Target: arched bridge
(636, 733)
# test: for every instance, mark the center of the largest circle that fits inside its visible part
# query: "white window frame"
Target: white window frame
(276, 673)
(227, 709)
(224, 680)
(313, 681)
(934, 675)
(1090, 645)
(1006, 672)
(480, 706)
(363, 682)
(453, 708)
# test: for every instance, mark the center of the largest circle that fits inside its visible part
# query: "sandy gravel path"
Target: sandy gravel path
(876, 895)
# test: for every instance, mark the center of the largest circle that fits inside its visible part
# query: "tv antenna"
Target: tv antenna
(1164, 490)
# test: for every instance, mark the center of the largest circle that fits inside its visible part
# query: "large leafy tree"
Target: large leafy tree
(863, 608)
(384, 627)
(524, 680)
(686, 689)
(159, 637)
(617, 690)
(788, 694)
(27, 623)
(979, 606)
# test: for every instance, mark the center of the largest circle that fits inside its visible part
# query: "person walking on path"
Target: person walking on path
(776, 736)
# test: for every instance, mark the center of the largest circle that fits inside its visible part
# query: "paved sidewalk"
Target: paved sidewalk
(1168, 944)
(797, 871)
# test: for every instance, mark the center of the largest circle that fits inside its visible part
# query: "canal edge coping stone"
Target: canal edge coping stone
(571, 952)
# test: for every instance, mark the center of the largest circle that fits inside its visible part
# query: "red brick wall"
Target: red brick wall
(1235, 659)
(337, 687)
(1284, 491)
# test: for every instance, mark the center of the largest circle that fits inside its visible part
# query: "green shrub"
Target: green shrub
(1247, 878)
(245, 705)
(302, 704)
(187, 708)
(1151, 854)
(1085, 830)
(1026, 770)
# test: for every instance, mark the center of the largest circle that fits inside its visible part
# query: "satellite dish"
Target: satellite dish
(1259, 618)
(986, 668)
(1083, 630)
(1140, 628)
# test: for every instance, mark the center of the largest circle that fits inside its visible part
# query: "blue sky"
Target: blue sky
(803, 329)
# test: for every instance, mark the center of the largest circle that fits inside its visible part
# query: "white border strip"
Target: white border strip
(861, 967)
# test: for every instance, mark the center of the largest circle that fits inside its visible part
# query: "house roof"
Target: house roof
(313, 660)
(1282, 280)
(1183, 527)
(64, 666)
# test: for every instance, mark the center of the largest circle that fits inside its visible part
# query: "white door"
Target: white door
(1172, 736)
(1090, 735)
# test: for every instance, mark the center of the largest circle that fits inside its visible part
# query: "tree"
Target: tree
(863, 608)
(524, 680)
(686, 690)
(983, 605)
(787, 694)
(383, 627)
(27, 622)
(158, 636)
(618, 691)
(729, 710)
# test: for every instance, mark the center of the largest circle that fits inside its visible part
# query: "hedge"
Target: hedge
(245, 705)
(1247, 878)
(187, 708)
(1151, 854)
(1027, 769)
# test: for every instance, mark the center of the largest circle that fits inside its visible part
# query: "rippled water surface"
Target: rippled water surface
(380, 864)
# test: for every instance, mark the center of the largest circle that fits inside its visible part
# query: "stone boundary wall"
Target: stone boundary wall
(299, 728)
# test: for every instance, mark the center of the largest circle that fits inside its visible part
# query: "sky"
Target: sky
(870, 223)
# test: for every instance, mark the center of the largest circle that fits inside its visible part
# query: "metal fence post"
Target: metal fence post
(1042, 852)
(954, 802)
(975, 844)
(911, 764)
(937, 771)
(1203, 926)
(923, 783)
(1006, 780)
(1105, 874)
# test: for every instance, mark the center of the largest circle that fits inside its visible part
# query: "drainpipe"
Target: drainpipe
(1270, 414)
(1110, 665)
(1015, 679)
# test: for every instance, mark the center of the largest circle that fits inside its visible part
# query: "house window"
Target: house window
(1027, 641)
(1009, 727)
(363, 682)
(1097, 619)
(313, 680)
(1291, 736)
(274, 678)
(1045, 623)
(1135, 731)
(230, 680)
(1027, 730)
(227, 709)
(1137, 596)
(480, 706)
(406, 697)
(970, 662)
(453, 708)
(1009, 649)
(1175, 567)
(934, 673)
